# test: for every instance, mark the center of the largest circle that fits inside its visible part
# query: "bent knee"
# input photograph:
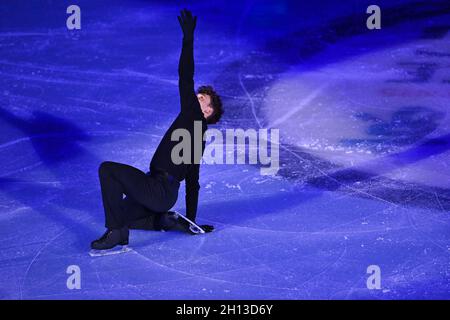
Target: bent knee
(105, 167)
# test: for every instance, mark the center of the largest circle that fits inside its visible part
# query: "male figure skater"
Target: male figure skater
(150, 195)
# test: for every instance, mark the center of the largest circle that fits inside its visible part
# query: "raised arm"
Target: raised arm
(186, 64)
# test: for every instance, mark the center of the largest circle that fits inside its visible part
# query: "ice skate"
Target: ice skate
(113, 241)
(107, 252)
(193, 227)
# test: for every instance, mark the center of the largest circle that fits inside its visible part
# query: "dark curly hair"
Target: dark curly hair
(215, 101)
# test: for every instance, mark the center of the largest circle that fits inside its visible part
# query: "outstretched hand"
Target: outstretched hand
(207, 228)
(187, 22)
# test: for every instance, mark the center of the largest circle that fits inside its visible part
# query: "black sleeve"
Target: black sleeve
(192, 188)
(188, 97)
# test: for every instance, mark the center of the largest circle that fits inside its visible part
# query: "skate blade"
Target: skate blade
(108, 252)
(192, 226)
(196, 230)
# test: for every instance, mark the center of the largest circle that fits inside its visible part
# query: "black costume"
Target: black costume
(149, 195)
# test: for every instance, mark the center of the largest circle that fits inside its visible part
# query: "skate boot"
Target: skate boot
(107, 243)
(166, 221)
(186, 225)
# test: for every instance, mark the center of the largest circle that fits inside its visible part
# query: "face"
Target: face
(205, 104)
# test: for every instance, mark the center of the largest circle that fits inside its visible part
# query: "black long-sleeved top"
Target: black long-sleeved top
(190, 112)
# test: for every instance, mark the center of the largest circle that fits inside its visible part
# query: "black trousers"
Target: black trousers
(146, 193)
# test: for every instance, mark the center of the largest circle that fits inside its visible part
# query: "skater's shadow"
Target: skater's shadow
(57, 142)
(54, 139)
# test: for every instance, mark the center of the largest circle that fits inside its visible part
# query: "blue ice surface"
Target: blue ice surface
(72, 99)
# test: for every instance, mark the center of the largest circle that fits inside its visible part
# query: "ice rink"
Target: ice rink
(364, 126)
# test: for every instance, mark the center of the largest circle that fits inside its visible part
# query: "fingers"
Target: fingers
(207, 228)
(186, 16)
(183, 14)
(188, 13)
